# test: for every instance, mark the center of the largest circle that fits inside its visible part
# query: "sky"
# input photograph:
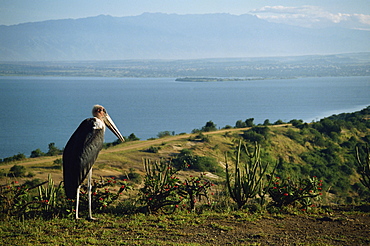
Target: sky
(310, 13)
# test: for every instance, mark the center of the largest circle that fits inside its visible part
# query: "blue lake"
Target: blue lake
(40, 110)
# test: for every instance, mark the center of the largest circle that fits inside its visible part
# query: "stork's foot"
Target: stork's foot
(92, 218)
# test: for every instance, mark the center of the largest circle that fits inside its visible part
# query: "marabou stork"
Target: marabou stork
(81, 151)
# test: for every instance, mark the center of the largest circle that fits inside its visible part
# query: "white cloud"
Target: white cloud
(311, 16)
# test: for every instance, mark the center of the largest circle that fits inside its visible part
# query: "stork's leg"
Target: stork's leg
(78, 200)
(89, 187)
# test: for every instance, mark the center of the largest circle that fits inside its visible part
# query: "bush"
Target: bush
(15, 199)
(206, 164)
(17, 171)
(327, 126)
(37, 153)
(296, 123)
(249, 122)
(17, 157)
(114, 143)
(240, 124)
(160, 191)
(32, 183)
(193, 189)
(301, 193)
(267, 122)
(133, 176)
(253, 137)
(294, 135)
(103, 193)
(132, 137)
(53, 150)
(257, 134)
(163, 134)
(186, 159)
(279, 122)
(153, 149)
(209, 127)
(228, 127)
(200, 138)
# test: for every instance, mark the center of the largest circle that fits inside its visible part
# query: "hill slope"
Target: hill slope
(325, 149)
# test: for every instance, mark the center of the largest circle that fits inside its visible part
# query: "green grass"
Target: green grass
(138, 229)
(181, 228)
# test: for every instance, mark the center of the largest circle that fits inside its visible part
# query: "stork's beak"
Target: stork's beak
(110, 124)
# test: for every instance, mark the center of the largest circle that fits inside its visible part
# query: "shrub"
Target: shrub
(267, 122)
(17, 157)
(15, 199)
(37, 153)
(252, 136)
(160, 191)
(186, 159)
(279, 122)
(294, 135)
(114, 143)
(257, 134)
(203, 138)
(327, 126)
(133, 176)
(17, 171)
(249, 122)
(58, 161)
(240, 124)
(163, 134)
(300, 193)
(53, 150)
(194, 189)
(296, 123)
(132, 137)
(210, 126)
(153, 149)
(206, 164)
(104, 193)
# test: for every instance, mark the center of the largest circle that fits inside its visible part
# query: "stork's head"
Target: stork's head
(99, 112)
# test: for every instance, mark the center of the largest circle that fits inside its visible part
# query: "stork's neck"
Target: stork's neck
(99, 124)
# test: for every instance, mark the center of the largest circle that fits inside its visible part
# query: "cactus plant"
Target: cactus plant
(160, 189)
(248, 179)
(364, 167)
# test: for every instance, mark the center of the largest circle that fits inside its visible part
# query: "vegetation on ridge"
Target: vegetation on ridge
(325, 149)
(312, 166)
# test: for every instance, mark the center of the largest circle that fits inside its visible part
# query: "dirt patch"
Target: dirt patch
(335, 229)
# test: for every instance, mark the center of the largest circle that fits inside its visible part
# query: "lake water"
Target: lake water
(39, 110)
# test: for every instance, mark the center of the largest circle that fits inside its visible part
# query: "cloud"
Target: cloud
(312, 16)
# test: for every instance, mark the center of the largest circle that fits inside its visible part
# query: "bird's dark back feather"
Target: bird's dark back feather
(79, 155)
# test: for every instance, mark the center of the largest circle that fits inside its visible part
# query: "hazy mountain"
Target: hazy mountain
(171, 36)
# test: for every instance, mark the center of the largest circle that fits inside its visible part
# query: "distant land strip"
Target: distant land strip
(206, 79)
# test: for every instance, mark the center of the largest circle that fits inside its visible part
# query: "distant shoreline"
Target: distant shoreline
(211, 79)
(214, 69)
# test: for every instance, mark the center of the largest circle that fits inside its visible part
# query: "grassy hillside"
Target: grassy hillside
(325, 149)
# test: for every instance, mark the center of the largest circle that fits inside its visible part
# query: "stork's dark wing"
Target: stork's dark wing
(80, 154)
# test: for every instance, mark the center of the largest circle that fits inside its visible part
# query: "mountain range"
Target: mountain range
(171, 36)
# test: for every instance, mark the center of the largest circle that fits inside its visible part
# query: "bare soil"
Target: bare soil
(336, 228)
